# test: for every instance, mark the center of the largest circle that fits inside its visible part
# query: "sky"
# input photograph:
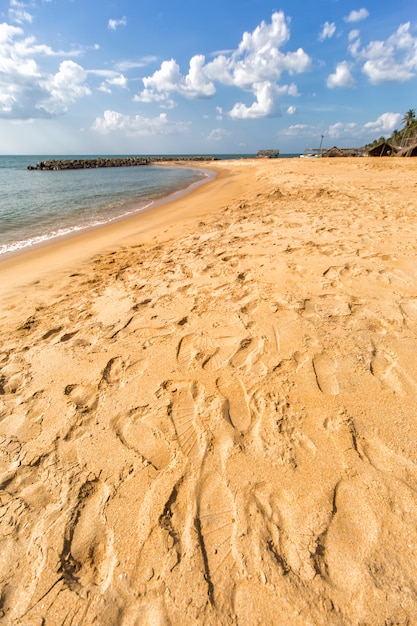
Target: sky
(195, 77)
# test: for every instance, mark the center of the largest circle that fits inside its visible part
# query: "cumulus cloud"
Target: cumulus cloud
(266, 104)
(357, 16)
(328, 30)
(168, 79)
(138, 125)
(385, 123)
(393, 60)
(291, 110)
(28, 92)
(64, 88)
(255, 66)
(342, 77)
(114, 24)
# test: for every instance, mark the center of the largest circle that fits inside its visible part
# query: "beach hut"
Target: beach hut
(383, 149)
(409, 151)
(333, 152)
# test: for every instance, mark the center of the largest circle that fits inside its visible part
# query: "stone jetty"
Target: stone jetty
(81, 164)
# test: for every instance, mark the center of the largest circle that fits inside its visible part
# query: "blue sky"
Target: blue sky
(180, 76)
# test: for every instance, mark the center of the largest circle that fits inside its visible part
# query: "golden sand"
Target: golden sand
(208, 412)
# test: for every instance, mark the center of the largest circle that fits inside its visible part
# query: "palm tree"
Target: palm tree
(409, 118)
(396, 137)
(410, 127)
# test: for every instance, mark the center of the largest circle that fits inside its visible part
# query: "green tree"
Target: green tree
(409, 118)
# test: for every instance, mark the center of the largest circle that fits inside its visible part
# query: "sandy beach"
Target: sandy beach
(208, 411)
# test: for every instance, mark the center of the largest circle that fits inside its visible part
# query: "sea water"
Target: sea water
(40, 206)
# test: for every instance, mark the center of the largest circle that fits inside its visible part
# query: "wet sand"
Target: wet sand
(208, 411)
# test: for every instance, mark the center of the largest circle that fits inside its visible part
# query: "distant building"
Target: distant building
(333, 152)
(409, 151)
(383, 149)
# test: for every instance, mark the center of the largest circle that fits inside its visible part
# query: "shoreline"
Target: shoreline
(207, 412)
(131, 207)
(83, 244)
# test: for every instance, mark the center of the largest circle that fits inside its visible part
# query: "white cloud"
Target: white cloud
(266, 104)
(168, 79)
(124, 66)
(18, 13)
(118, 81)
(113, 79)
(353, 35)
(291, 110)
(339, 130)
(26, 90)
(300, 130)
(113, 24)
(355, 42)
(357, 16)
(342, 77)
(349, 134)
(138, 125)
(64, 88)
(217, 134)
(328, 30)
(385, 123)
(393, 60)
(255, 66)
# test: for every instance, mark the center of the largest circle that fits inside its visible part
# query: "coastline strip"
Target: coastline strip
(26, 266)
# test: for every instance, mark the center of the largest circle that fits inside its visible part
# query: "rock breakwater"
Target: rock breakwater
(79, 164)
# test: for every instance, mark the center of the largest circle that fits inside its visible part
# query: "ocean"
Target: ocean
(40, 206)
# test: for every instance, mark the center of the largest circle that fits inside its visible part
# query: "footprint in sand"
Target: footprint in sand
(85, 397)
(114, 370)
(289, 333)
(187, 350)
(409, 309)
(221, 355)
(325, 372)
(383, 368)
(237, 402)
(144, 439)
(215, 525)
(87, 556)
(249, 349)
(183, 412)
(216, 353)
(13, 377)
(119, 372)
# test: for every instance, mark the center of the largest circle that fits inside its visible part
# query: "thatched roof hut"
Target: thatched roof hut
(383, 149)
(333, 152)
(409, 151)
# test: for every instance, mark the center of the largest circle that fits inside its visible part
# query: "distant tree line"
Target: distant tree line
(403, 137)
